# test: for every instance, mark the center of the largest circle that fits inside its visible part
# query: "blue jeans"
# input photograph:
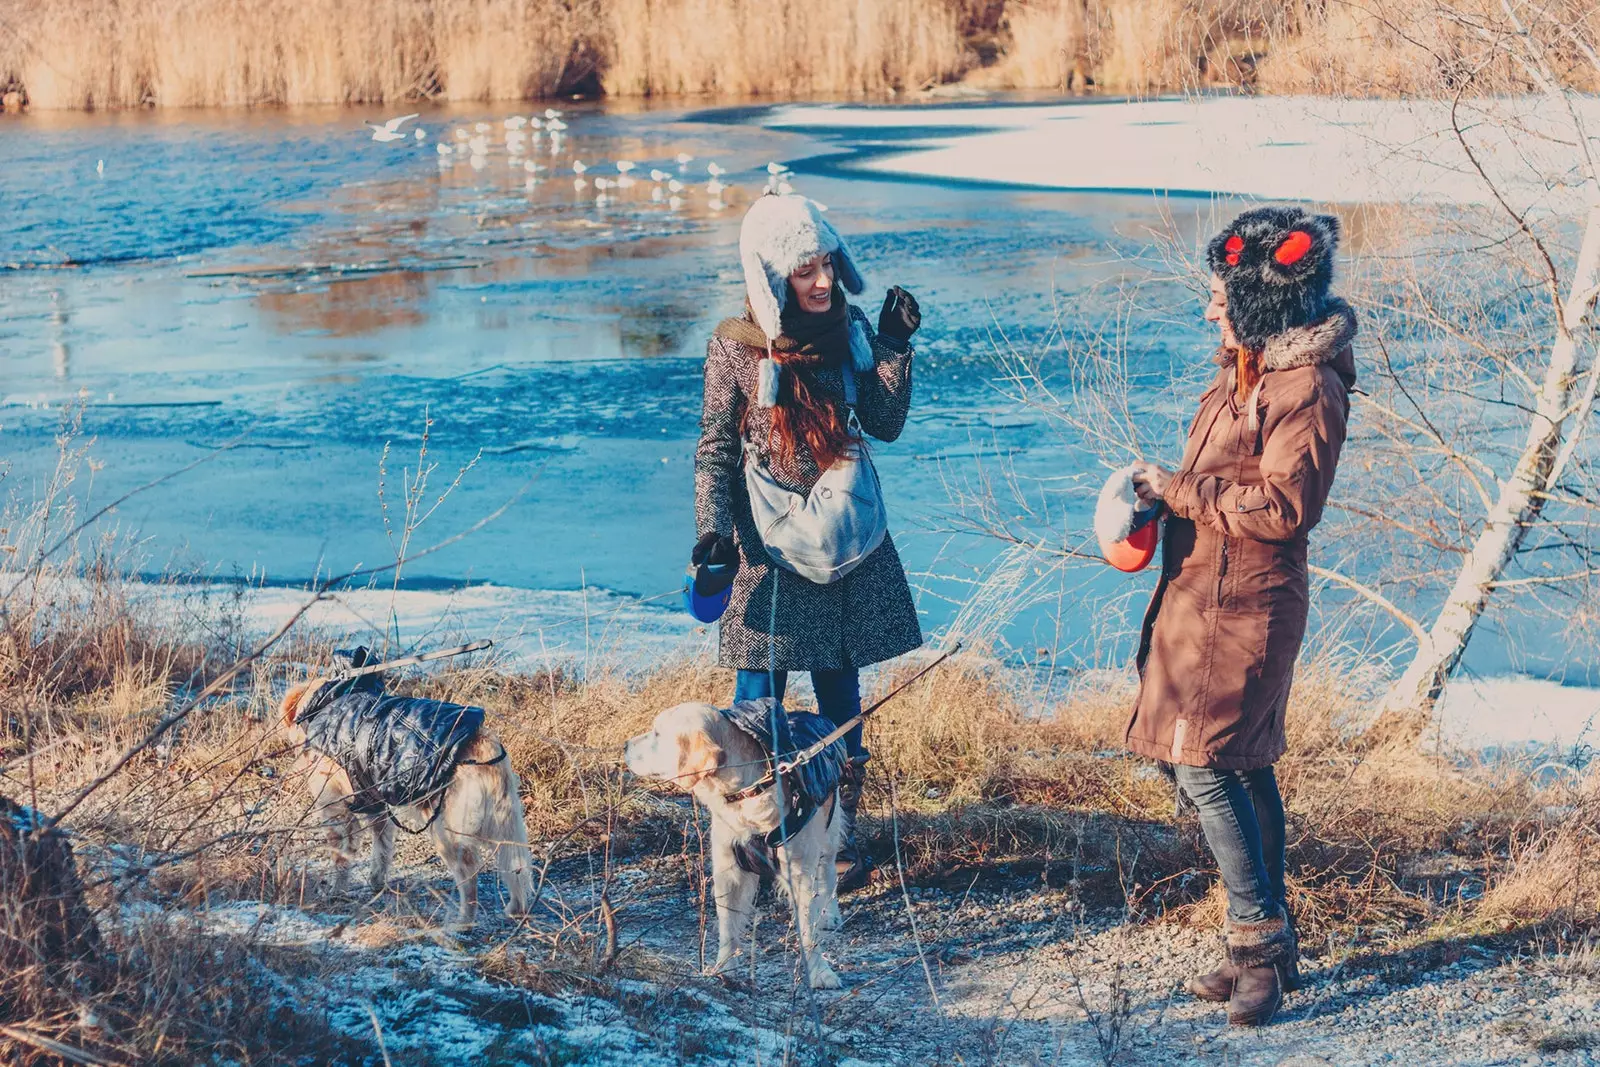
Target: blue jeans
(1241, 815)
(838, 698)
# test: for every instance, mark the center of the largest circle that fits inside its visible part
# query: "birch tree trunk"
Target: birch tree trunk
(1517, 507)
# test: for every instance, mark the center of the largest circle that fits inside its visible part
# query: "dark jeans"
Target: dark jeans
(1241, 815)
(838, 697)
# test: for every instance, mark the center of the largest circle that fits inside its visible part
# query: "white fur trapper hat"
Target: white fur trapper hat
(779, 233)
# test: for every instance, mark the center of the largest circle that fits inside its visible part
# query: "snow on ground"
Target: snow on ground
(1286, 148)
(531, 627)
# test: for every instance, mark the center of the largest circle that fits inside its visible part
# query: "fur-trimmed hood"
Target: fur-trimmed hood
(779, 233)
(1324, 342)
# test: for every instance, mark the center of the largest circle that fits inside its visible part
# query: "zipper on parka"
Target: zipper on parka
(1222, 571)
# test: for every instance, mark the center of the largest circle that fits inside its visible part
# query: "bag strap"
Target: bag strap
(851, 420)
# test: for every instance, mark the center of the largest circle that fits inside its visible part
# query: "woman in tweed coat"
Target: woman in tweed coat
(775, 379)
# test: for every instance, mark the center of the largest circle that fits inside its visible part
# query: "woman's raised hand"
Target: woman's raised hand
(1150, 482)
(900, 317)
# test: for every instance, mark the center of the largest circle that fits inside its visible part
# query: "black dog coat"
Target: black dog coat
(809, 786)
(396, 750)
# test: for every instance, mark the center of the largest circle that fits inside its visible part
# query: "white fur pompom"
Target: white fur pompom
(767, 376)
(1113, 513)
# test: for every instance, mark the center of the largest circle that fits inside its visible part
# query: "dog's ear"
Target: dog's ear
(699, 758)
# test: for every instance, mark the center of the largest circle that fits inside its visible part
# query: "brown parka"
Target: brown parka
(1220, 638)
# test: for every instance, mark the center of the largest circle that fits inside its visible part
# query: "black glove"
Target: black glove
(900, 316)
(715, 549)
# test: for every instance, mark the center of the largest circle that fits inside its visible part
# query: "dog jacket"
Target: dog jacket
(396, 750)
(810, 785)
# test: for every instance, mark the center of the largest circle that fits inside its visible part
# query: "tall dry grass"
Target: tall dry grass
(187, 53)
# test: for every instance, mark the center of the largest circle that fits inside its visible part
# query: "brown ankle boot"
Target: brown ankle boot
(1216, 986)
(853, 865)
(1259, 953)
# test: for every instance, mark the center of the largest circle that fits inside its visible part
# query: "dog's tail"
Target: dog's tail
(289, 709)
(515, 857)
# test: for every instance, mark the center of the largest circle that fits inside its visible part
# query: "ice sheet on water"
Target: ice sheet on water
(1294, 148)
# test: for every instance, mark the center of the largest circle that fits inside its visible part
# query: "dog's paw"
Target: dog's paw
(824, 977)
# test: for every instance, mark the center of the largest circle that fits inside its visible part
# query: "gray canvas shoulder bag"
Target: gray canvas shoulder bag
(824, 535)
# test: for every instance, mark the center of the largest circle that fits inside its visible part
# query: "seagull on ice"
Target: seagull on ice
(443, 149)
(625, 165)
(776, 169)
(579, 166)
(462, 134)
(515, 122)
(555, 125)
(715, 170)
(675, 186)
(684, 159)
(533, 168)
(535, 123)
(658, 176)
(551, 113)
(479, 146)
(481, 127)
(420, 134)
(100, 167)
(390, 130)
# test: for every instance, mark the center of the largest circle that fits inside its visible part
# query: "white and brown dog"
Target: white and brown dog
(477, 812)
(700, 750)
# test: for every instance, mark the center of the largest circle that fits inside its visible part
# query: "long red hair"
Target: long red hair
(804, 413)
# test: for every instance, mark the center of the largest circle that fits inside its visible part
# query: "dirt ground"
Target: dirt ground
(1001, 971)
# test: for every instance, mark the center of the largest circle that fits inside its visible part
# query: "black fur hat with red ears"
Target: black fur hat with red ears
(1277, 266)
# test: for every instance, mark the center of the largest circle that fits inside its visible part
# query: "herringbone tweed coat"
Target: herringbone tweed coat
(866, 617)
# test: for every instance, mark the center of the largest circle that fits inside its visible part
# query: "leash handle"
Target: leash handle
(806, 755)
(407, 661)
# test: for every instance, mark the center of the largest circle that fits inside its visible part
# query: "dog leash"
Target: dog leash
(810, 752)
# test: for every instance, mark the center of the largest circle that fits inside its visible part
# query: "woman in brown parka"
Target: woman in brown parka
(1218, 647)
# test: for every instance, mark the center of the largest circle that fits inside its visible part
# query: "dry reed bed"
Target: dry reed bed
(192, 53)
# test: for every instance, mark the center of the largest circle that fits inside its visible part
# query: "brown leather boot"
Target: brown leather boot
(853, 865)
(1217, 986)
(1260, 953)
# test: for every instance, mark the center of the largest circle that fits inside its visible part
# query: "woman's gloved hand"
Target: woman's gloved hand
(900, 317)
(715, 549)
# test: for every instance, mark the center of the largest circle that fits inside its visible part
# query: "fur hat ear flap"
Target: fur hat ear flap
(766, 296)
(844, 264)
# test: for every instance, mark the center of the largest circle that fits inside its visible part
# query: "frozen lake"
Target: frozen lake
(277, 281)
